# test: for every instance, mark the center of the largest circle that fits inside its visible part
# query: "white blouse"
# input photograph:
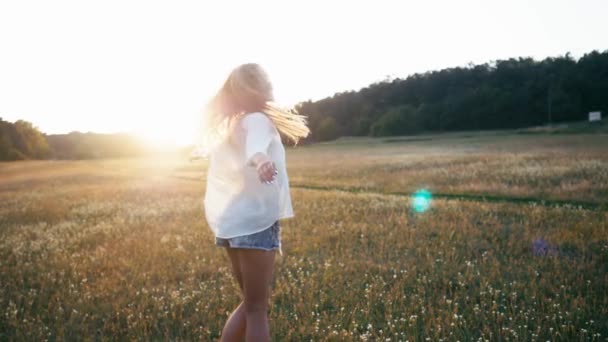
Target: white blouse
(236, 201)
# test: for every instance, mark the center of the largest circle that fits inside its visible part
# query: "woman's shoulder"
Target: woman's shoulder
(255, 119)
(255, 116)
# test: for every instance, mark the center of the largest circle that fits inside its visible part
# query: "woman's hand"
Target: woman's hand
(265, 168)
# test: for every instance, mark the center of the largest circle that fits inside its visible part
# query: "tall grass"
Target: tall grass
(117, 250)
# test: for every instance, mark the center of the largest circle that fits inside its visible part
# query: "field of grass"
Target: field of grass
(514, 246)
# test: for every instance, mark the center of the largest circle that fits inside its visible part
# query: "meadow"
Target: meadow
(513, 247)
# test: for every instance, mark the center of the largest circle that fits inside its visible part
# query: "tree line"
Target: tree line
(504, 94)
(77, 145)
(21, 140)
(513, 93)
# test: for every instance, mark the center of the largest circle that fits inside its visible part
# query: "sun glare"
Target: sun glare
(166, 135)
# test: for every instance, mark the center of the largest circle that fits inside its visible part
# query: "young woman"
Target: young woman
(248, 189)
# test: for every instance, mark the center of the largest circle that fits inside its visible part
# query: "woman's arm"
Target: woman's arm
(259, 134)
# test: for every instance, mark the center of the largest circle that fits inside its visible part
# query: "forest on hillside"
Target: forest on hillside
(504, 94)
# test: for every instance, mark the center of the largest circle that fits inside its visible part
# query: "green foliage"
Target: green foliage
(14, 154)
(327, 129)
(504, 94)
(21, 140)
(397, 121)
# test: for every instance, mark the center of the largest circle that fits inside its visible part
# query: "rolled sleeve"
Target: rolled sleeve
(259, 132)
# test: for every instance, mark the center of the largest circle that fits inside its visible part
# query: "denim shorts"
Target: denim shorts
(268, 239)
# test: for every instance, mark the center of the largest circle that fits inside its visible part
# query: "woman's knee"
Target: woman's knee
(256, 300)
(256, 305)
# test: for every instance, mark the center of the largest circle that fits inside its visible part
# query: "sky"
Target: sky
(149, 67)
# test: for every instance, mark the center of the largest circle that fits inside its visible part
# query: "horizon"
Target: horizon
(326, 96)
(388, 78)
(152, 77)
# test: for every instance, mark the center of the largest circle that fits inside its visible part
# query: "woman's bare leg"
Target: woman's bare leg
(234, 329)
(257, 267)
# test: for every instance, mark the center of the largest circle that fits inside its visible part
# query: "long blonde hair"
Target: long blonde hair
(248, 89)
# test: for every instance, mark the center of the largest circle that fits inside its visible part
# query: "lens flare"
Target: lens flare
(421, 200)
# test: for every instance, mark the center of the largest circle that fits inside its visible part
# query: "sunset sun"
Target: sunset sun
(166, 133)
